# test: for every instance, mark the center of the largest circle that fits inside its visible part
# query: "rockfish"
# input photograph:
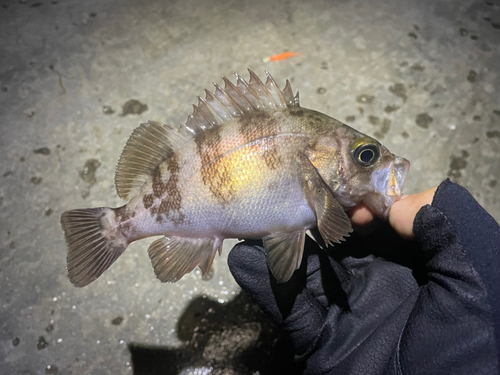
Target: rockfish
(248, 163)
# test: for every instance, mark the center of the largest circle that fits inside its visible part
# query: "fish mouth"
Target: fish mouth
(388, 186)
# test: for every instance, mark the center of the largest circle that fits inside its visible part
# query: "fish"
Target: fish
(249, 162)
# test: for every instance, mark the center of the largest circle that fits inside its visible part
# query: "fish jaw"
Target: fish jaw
(387, 186)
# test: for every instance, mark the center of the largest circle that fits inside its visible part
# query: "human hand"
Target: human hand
(401, 215)
(379, 304)
(330, 306)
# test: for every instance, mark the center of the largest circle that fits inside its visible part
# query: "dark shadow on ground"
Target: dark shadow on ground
(233, 338)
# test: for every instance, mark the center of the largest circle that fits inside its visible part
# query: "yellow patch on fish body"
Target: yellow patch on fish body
(248, 163)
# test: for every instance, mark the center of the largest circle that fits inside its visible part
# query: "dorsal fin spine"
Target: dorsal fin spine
(230, 103)
(279, 101)
(200, 117)
(296, 99)
(209, 113)
(249, 94)
(217, 106)
(288, 94)
(239, 99)
(259, 87)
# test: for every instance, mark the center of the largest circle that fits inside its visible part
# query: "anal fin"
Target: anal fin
(284, 253)
(173, 257)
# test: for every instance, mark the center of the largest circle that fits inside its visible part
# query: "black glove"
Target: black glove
(382, 305)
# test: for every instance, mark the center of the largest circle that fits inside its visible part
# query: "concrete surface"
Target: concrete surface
(422, 76)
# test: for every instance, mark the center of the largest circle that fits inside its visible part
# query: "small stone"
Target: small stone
(321, 90)
(412, 35)
(350, 118)
(463, 32)
(16, 341)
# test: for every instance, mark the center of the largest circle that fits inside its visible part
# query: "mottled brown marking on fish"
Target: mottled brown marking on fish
(262, 126)
(170, 205)
(298, 113)
(271, 155)
(122, 217)
(122, 214)
(215, 172)
(148, 200)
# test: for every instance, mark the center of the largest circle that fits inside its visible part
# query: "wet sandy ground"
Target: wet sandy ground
(77, 77)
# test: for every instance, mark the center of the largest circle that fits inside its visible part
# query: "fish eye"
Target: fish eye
(366, 154)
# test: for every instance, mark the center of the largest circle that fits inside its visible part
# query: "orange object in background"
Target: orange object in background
(281, 56)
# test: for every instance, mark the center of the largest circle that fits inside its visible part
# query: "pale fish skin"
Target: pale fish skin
(249, 163)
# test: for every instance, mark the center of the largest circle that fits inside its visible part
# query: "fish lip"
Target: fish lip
(388, 186)
(395, 181)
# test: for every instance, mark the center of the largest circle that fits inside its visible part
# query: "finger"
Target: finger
(403, 212)
(361, 215)
(364, 222)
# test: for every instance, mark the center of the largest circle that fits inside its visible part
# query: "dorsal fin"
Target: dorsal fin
(149, 145)
(238, 100)
(152, 143)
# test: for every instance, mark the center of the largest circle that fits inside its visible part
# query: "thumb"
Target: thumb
(403, 212)
(289, 304)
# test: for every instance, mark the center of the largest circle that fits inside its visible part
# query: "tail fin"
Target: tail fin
(93, 243)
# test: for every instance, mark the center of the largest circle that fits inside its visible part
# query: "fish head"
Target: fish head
(370, 173)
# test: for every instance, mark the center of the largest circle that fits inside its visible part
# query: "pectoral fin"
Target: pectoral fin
(173, 257)
(333, 223)
(284, 253)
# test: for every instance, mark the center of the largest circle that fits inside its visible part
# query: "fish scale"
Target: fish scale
(248, 163)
